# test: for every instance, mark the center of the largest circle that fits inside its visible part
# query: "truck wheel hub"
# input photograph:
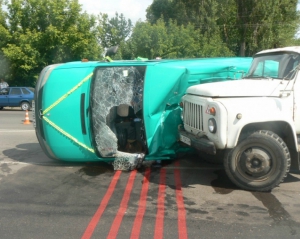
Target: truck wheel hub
(258, 162)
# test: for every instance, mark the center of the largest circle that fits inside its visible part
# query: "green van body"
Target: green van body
(65, 109)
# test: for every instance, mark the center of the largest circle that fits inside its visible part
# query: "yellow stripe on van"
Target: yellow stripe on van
(67, 134)
(67, 94)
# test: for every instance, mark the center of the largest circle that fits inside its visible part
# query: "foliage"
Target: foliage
(113, 31)
(173, 41)
(184, 12)
(43, 32)
(4, 37)
(250, 26)
(245, 26)
(36, 33)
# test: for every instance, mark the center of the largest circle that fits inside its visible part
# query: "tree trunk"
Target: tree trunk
(243, 49)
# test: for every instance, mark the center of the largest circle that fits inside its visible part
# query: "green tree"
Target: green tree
(210, 40)
(245, 26)
(173, 41)
(125, 51)
(23, 58)
(200, 15)
(113, 31)
(160, 9)
(250, 26)
(183, 11)
(4, 38)
(151, 41)
(43, 32)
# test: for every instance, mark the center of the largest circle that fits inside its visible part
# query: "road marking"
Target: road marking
(182, 230)
(123, 206)
(159, 223)
(93, 223)
(136, 228)
(193, 168)
(142, 204)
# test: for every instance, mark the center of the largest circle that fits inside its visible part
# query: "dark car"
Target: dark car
(16, 96)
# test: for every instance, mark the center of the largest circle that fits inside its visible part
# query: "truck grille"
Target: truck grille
(193, 115)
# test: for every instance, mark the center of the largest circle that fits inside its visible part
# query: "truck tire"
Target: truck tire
(259, 162)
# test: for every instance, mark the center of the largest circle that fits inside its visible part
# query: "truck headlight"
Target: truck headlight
(212, 125)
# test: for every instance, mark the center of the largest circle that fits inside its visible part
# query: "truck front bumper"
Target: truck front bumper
(201, 144)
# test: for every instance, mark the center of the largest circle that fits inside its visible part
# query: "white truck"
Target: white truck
(254, 123)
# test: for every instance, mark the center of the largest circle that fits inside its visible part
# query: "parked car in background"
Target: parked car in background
(16, 97)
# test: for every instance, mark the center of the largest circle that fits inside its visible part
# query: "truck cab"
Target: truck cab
(253, 123)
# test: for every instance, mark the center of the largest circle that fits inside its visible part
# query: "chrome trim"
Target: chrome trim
(193, 115)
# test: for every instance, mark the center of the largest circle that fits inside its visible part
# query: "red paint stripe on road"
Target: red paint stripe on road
(182, 230)
(137, 224)
(93, 223)
(123, 207)
(159, 224)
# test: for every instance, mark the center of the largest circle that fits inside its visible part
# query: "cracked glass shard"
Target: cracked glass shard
(111, 87)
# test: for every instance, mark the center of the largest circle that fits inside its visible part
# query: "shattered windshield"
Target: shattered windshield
(116, 106)
(274, 66)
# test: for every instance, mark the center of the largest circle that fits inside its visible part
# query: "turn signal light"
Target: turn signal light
(212, 111)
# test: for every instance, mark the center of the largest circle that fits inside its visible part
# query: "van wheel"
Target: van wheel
(25, 106)
(259, 162)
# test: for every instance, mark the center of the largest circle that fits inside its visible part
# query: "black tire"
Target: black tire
(25, 106)
(1, 108)
(259, 162)
(217, 158)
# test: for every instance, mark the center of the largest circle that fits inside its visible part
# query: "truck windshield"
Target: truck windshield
(274, 66)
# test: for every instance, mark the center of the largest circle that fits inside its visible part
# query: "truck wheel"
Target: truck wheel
(25, 106)
(259, 162)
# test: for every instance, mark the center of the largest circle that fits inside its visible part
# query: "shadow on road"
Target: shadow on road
(193, 170)
(32, 153)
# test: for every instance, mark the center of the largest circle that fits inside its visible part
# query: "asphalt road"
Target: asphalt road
(186, 198)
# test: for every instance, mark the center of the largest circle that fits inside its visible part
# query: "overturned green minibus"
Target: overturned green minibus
(121, 112)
